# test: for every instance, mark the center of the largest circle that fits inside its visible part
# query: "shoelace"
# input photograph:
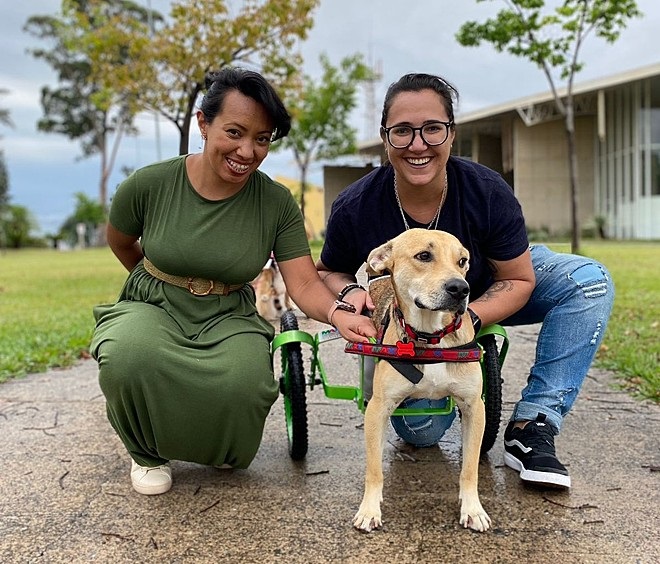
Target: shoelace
(540, 437)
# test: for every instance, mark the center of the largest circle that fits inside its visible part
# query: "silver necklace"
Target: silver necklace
(436, 217)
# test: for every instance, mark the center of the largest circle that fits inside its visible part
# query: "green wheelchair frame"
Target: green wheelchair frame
(294, 382)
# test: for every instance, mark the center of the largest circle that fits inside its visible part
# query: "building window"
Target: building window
(655, 171)
(650, 126)
(655, 143)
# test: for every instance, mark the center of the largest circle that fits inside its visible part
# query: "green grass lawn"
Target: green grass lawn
(46, 301)
(631, 346)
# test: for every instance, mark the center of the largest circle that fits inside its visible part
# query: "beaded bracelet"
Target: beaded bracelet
(346, 289)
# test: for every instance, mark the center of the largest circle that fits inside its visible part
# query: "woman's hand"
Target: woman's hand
(360, 300)
(317, 301)
(353, 327)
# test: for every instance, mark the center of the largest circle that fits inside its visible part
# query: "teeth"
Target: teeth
(419, 161)
(236, 166)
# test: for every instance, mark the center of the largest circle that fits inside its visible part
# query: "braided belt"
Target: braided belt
(196, 286)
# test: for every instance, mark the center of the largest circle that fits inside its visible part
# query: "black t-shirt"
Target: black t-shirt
(480, 210)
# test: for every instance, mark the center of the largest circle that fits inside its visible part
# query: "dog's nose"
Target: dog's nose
(457, 288)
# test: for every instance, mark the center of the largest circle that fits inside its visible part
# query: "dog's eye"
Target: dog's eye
(462, 262)
(424, 256)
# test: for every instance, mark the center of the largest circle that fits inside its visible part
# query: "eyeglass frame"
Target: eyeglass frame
(448, 125)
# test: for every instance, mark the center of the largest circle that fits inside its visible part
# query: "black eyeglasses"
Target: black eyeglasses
(433, 134)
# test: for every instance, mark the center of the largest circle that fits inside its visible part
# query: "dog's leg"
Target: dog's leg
(368, 516)
(473, 420)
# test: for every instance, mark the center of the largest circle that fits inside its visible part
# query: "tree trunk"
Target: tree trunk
(303, 189)
(184, 126)
(100, 239)
(184, 138)
(103, 182)
(573, 175)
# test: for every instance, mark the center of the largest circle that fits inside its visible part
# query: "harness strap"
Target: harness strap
(408, 352)
(470, 352)
(407, 370)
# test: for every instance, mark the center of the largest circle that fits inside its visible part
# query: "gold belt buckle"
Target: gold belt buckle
(194, 293)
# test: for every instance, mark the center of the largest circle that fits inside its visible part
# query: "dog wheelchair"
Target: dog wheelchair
(295, 380)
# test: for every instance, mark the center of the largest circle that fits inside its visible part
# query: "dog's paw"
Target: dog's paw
(367, 521)
(476, 519)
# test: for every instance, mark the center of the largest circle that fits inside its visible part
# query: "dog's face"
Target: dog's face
(428, 269)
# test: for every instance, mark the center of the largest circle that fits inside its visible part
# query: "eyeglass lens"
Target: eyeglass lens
(401, 136)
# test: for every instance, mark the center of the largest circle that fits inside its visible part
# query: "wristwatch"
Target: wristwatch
(343, 306)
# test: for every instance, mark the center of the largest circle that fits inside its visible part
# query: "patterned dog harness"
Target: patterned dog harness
(404, 354)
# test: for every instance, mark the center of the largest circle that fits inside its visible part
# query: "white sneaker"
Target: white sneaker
(151, 480)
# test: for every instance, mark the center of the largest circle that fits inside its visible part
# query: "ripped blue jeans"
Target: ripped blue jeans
(573, 299)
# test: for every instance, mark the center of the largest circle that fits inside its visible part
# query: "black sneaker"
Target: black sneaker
(531, 451)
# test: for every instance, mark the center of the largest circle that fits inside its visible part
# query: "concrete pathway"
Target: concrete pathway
(65, 493)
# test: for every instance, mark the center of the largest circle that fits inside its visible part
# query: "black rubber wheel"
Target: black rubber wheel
(492, 391)
(292, 386)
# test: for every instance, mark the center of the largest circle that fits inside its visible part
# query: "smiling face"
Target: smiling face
(238, 138)
(418, 164)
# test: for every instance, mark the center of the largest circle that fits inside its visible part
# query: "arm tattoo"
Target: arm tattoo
(498, 287)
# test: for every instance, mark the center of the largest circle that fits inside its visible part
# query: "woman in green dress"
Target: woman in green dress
(184, 358)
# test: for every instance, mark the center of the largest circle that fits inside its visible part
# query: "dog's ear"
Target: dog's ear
(379, 259)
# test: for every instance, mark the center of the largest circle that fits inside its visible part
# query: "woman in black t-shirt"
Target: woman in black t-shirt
(511, 283)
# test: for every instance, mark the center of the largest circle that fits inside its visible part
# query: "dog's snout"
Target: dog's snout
(457, 288)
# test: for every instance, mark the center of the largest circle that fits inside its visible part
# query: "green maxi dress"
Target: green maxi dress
(190, 377)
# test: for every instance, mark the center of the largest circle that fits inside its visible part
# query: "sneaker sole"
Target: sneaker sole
(149, 489)
(152, 490)
(534, 477)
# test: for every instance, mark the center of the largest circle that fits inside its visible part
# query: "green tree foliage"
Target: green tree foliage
(5, 118)
(83, 107)
(551, 38)
(4, 200)
(168, 64)
(17, 225)
(321, 112)
(4, 184)
(87, 211)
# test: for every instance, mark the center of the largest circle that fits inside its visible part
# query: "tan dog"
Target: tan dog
(428, 270)
(271, 295)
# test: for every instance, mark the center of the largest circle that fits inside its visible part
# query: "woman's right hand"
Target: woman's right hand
(360, 299)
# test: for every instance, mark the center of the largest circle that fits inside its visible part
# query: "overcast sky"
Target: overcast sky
(45, 170)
